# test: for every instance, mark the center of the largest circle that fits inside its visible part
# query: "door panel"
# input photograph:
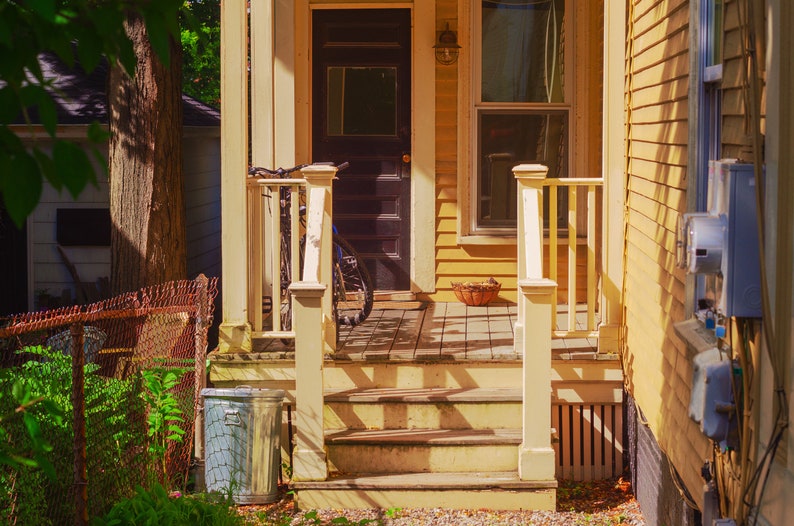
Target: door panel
(361, 101)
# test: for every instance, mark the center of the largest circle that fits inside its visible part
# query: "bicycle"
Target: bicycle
(352, 284)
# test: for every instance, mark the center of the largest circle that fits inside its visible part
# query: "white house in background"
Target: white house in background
(33, 263)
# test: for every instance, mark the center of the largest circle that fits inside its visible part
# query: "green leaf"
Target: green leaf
(97, 133)
(21, 392)
(74, 166)
(43, 463)
(48, 169)
(9, 104)
(48, 113)
(159, 38)
(33, 429)
(89, 49)
(22, 187)
(44, 8)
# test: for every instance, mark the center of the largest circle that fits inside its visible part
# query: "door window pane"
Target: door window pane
(362, 101)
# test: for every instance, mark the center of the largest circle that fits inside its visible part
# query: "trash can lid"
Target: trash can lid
(242, 391)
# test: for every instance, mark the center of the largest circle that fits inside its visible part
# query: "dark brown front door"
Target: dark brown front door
(361, 114)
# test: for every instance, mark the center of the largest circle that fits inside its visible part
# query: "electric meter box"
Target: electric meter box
(734, 197)
(722, 244)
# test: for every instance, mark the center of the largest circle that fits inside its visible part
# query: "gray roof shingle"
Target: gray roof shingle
(81, 98)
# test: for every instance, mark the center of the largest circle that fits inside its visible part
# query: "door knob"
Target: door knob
(406, 158)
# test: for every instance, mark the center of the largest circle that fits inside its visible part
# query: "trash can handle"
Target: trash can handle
(232, 418)
(243, 387)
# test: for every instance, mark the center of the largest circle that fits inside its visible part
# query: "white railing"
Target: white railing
(265, 248)
(538, 304)
(268, 199)
(579, 217)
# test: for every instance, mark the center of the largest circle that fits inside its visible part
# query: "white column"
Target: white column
(235, 330)
(613, 169)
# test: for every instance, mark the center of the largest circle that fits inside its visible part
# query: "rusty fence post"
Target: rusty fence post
(202, 323)
(78, 405)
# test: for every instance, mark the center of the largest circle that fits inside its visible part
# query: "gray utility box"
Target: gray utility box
(242, 442)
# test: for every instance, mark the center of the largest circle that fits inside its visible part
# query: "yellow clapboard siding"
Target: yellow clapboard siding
(479, 267)
(674, 89)
(671, 111)
(447, 209)
(672, 197)
(650, 209)
(667, 153)
(673, 132)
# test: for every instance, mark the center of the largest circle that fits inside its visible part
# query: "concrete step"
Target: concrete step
(453, 490)
(422, 450)
(447, 408)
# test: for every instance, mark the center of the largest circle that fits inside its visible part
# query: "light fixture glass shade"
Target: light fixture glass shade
(447, 48)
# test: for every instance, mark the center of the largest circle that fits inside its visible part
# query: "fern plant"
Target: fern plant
(164, 413)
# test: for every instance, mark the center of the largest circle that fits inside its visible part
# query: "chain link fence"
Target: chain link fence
(126, 373)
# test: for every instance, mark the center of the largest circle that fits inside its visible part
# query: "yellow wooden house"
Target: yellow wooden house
(547, 144)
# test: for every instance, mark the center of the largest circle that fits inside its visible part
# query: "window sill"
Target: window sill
(488, 239)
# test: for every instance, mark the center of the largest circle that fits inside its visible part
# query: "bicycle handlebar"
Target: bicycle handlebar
(282, 173)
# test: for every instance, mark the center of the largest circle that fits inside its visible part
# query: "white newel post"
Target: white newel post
(536, 300)
(322, 176)
(535, 455)
(308, 457)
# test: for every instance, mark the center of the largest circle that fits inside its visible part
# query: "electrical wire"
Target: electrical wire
(752, 495)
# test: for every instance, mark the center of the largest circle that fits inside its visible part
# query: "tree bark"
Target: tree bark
(147, 208)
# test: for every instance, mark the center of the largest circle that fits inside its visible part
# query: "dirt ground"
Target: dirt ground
(598, 503)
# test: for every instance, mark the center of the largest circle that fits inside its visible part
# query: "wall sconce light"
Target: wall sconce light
(447, 48)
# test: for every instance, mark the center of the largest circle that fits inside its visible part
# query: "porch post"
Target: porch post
(235, 329)
(308, 457)
(322, 176)
(613, 169)
(535, 455)
(537, 298)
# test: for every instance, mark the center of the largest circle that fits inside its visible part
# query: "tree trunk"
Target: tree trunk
(145, 160)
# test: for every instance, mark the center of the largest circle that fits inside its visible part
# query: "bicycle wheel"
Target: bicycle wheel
(285, 281)
(353, 293)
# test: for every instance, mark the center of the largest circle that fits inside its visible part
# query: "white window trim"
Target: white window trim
(469, 84)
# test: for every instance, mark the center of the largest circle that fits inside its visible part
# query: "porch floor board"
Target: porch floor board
(444, 331)
(450, 331)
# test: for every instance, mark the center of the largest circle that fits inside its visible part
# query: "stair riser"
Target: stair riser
(446, 415)
(422, 458)
(343, 376)
(542, 499)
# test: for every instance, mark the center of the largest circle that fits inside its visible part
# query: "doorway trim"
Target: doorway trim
(423, 119)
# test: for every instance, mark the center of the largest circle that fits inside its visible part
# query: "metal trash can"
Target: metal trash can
(242, 442)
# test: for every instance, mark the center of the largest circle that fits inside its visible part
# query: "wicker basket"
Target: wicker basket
(476, 294)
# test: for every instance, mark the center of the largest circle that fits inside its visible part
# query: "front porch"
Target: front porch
(422, 406)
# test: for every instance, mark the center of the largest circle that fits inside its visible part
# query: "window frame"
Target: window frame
(471, 105)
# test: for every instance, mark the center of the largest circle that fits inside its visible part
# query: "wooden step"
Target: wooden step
(422, 450)
(452, 490)
(448, 408)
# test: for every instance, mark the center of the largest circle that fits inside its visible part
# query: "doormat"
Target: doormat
(399, 305)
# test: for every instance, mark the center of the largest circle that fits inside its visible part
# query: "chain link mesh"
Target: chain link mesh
(160, 330)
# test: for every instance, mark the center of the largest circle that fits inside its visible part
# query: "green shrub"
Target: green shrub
(116, 438)
(154, 507)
